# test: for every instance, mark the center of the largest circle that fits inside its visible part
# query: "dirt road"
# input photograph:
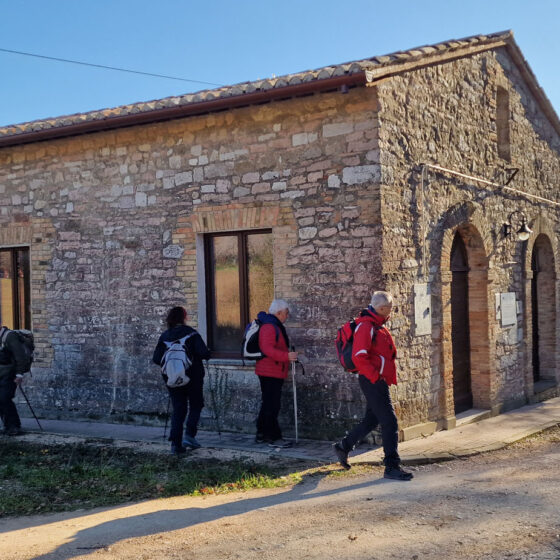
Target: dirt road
(501, 505)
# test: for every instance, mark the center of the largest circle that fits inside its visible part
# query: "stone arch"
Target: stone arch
(541, 300)
(467, 220)
(542, 226)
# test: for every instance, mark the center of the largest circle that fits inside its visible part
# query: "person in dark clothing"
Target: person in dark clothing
(272, 370)
(374, 355)
(189, 397)
(14, 363)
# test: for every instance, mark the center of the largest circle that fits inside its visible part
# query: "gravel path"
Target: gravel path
(500, 505)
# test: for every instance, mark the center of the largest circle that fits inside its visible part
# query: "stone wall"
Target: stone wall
(126, 211)
(446, 115)
(115, 222)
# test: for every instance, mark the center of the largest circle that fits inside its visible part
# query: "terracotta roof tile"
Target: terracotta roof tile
(335, 71)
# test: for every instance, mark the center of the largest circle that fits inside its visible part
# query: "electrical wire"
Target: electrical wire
(108, 67)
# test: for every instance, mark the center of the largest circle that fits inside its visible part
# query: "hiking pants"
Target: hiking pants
(187, 398)
(8, 410)
(379, 410)
(267, 420)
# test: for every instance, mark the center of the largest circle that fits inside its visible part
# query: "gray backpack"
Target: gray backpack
(176, 364)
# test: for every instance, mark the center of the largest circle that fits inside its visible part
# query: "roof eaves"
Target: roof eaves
(452, 50)
(173, 108)
(430, 55)
(361, 72)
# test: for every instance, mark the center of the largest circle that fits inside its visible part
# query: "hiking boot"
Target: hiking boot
(280, 443)
(190, 441)
(178, 449)
(341, 455)
(397, 473)
(259, 438)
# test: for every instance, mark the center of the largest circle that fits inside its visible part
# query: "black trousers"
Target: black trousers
(267, 420)
(188, 398)
(379, 410)
(8, 410)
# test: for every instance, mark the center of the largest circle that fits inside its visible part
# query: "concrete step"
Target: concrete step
(472, 415)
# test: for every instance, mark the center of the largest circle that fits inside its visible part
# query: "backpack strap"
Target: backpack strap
(375, 327)
(4, 332)
(181, 341)
(185, 338)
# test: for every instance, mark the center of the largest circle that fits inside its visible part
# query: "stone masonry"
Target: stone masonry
(115, 220)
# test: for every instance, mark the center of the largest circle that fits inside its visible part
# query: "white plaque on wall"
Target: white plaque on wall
(508, 309)
(422, 310)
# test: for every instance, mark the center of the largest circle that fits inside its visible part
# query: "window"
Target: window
(502, 123)
(15, 310)
(239, 281)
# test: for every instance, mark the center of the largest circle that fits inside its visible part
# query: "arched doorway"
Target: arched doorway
(543, 313)
(460, 331)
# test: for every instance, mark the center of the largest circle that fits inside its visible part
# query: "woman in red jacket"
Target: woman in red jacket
(272, 370)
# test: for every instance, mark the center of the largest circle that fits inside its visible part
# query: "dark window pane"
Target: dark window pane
(23, 303)
(227, 321)
(7, 315)
(261, 281)
(240, 284)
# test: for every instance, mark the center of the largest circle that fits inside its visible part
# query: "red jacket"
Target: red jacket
(276, 362)
(374, 356)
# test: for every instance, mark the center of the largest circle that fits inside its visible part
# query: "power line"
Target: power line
(108, 67)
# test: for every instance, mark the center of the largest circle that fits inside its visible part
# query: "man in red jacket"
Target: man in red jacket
(272, 370)
(374, 354)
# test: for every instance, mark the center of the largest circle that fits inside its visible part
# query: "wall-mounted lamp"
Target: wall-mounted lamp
(523, 233)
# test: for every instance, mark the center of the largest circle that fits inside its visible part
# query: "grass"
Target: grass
(52, 478)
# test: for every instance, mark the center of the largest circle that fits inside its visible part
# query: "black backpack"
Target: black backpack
(25, 337)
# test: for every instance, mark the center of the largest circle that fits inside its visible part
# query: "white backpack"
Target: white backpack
(250, 349)
(175, 364)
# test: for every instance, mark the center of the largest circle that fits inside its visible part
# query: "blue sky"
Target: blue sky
(232, 41)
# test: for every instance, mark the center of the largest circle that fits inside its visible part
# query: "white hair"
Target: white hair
(278, 305)
(380, 299)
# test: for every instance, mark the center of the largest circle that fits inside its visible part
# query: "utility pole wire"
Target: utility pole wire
(108, 67)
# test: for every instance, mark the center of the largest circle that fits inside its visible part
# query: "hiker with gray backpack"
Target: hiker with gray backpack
(180, 351)
(16, 357)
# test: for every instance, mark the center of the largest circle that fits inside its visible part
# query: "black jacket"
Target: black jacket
(13, 358)
(196, 349)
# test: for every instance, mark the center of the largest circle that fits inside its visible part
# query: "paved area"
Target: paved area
(465, 440)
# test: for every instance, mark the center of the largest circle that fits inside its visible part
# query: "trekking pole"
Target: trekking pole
(295, 395)
(30, 407)
(167, 415)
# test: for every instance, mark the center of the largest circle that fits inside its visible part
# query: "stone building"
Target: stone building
(413, 172)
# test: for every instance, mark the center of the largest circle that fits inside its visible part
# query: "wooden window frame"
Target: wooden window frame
(16, 289)
(243, 263)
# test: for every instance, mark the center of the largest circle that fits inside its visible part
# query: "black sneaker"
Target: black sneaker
(178, 449)
(396, 473)
(259, 438)
(342, 455)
